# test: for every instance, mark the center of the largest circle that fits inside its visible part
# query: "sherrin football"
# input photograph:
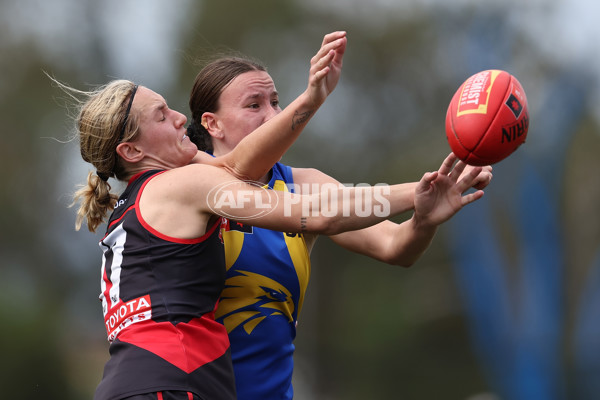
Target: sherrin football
(487, 119)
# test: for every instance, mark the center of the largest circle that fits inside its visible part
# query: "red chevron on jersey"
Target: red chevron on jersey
(179, 344)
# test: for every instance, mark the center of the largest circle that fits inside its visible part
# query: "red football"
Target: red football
(487, 118)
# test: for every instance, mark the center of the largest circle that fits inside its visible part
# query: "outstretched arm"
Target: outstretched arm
(256, 154)
(178, 204)
(438, 196)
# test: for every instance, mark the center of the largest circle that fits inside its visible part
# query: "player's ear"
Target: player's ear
(130, 152)
(212, 124)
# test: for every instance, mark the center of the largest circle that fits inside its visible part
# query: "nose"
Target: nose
(180, 119)
(272, 112)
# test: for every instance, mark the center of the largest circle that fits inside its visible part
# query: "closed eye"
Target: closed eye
(160, 112)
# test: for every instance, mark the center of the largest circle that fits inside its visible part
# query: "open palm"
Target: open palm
(440, 194)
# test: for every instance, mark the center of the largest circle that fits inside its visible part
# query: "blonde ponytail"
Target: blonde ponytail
(95, 200)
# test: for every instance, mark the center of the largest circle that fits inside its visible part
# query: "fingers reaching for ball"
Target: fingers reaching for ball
(471, 197)
(468, 179)
(484, 178)
(448, 164)
(442, 193)
(456, 169)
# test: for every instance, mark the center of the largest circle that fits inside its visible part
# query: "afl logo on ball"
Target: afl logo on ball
(515, 105)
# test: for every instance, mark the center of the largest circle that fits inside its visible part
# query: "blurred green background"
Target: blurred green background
(367, 330)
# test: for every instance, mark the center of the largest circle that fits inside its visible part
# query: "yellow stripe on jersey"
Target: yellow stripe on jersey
(233, 242)
(298, 253)
(301, 260)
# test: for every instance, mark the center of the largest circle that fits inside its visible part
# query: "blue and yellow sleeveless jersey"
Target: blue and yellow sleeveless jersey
(267, 276)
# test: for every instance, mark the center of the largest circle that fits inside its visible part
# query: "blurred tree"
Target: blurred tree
(34, 284)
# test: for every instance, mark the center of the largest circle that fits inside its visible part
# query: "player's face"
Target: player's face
(246, 103)
(162, 131)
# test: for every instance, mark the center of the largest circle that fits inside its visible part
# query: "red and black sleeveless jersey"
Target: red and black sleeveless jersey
(158, 298)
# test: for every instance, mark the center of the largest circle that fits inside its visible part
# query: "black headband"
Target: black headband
(124, 123)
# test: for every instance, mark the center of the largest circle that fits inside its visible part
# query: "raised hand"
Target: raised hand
(440, 194)
(326, 66)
